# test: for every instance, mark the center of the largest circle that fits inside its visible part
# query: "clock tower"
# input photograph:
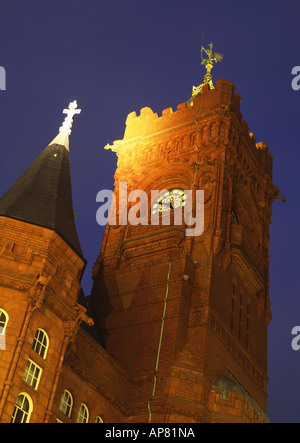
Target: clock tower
(187, 316)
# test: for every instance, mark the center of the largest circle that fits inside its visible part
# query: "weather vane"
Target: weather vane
(213, 57)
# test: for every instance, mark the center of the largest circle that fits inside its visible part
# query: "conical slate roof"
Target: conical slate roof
(43, 195)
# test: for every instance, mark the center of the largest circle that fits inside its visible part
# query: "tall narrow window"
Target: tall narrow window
(41, 343)
(66, 403)
(232, 307)
(247, 326)
(23, 409)
(83, 414)
(233, 217)
(98, 419)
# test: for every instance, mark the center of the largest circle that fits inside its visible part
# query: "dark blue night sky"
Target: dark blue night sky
(117, 56)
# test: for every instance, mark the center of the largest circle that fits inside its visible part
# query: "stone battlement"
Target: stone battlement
(149, 122)
(200, 110)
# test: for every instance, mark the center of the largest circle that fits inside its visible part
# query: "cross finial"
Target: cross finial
(65, 130)
(68, 122)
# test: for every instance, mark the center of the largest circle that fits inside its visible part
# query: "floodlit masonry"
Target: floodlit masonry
(175, 329)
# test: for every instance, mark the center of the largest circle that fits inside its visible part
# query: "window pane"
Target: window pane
(28, 374)
(20, 416)
(22, 410)
(40, 343)
(25, 404)
(66, 403)
(3, 321)
(32, 374)
(83, 414)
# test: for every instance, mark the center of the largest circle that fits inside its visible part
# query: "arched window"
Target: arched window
(177, 144)
(99, 419)
(193, 138)
(3, 321)
(83, 414)
(41, 343)
(66, 403)
(23, 409)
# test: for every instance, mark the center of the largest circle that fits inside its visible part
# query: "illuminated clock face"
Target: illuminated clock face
(172, 199)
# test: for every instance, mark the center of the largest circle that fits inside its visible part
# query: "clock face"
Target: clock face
(172, 199)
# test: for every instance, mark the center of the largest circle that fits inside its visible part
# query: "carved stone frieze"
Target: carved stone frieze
(13, 284)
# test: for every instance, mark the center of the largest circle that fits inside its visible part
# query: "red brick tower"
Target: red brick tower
(187, 316)
(41, 264)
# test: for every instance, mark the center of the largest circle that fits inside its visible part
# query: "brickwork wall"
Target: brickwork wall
(39, 287)
(207, 146)
(94, 378)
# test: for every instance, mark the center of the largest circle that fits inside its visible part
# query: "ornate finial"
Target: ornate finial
(65, 130)
(213, 57)
(71, 111)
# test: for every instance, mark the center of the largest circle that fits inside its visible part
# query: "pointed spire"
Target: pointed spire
(43, 194)
(65, 130)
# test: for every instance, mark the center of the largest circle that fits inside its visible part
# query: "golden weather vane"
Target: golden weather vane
(212, 58)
